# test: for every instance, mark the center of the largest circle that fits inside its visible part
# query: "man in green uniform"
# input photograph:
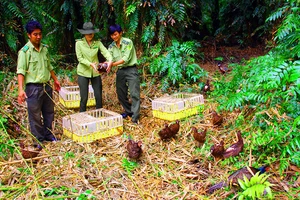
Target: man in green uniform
(124, 56)
(34, 72)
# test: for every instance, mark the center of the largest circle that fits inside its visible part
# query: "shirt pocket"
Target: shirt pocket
(45, 61)
(33, 64)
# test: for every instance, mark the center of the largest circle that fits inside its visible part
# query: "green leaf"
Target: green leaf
(241, 183)
(269, 192)
(241, 197)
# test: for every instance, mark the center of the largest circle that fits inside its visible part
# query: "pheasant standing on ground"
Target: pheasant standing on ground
(217, 150)
(199, 136)
(169, 131)
(165, 133)
(217, 119)
(175, 127)
(235, 148)
(223, 68)
(134, 149)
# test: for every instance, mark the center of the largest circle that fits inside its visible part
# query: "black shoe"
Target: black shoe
(124, 115)
(135, 122)
(37, 146)
(51, 139)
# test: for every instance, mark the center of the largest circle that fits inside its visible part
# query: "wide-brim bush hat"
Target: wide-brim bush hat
(88, 28)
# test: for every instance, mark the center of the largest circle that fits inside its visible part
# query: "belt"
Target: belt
(38, 84)
(127, 67)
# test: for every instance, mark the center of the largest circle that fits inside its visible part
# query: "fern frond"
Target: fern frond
(161, 33)
(255, 187)
(13, 8)
(176, 65)
(278, 14)
(148, 34)
(131, 9)
(133, 24)
(178, 11)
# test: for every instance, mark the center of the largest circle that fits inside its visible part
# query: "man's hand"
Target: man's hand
(109, 66)
(21, 97)
(57, 85)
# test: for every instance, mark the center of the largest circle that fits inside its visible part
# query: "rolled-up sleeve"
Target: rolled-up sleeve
(21, 63)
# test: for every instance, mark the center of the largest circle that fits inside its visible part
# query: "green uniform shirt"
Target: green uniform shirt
(126, 52)
(89, 54)
(34, 65)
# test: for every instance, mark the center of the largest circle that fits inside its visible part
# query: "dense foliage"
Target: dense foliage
(270, 86)
(146, 22)
(176, 65)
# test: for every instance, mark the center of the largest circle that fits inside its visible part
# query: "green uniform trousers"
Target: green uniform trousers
(83, 83)
(40, 103)
(128, 78)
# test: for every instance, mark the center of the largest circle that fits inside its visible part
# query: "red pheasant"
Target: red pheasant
(235, 148)
(217, 119)
(169, 131)
(134, 149)
(165, 133)
(174, 127)
(199, 136)
(223, 68)
(217, 150)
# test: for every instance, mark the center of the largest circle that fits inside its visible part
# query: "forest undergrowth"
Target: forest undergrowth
(174, 169)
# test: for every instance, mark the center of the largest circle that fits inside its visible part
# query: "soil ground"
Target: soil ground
(233, 54)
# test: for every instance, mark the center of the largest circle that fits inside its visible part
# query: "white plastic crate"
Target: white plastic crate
(69, 97)
(92, 125)
(177, 106)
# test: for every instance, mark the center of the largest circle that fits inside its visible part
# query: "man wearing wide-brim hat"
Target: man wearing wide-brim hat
(86, 50)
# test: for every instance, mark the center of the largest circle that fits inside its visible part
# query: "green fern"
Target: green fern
(161, 33)
(129, 166)
(13, 8)
(131, 9)
(148, 34)
(255, 187)
(133, 24)
(269, 82)
(177, 65)
(178, 13)
(293, 150)
(277, 15)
